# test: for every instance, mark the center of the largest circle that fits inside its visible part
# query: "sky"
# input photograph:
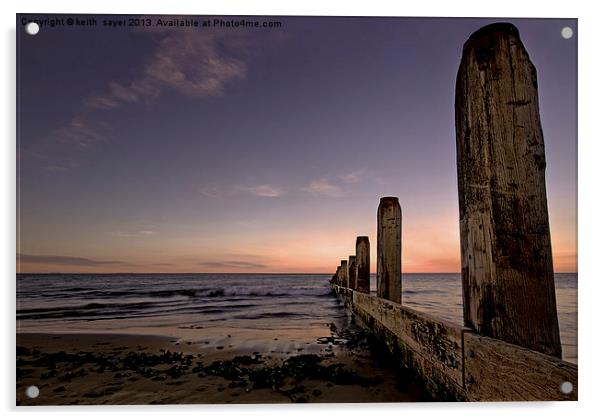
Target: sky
(147, 149)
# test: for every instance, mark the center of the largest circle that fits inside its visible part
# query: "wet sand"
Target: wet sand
(215, 366)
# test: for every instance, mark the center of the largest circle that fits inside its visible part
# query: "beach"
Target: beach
(201, 338)
(295, 209)
(113, 368)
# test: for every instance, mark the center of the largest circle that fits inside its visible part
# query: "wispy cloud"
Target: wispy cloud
(212, 192)
(263, 190)
(63, 149)
(324, 187)
(259, 190)
(352, 177)
(63, 260)
(231, 264)
(80, 133)
(133, 234)
(244, 255)
(191, 63)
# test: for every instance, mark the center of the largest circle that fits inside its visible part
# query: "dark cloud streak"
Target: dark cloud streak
(231, 264)
(64, 260)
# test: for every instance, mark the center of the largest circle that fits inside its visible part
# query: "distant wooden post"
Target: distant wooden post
(362, 262)
(351, 272)
(507, 273)
(388, 245)
(344, 273)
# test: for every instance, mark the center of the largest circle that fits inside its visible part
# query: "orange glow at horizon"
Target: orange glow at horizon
(426, 248)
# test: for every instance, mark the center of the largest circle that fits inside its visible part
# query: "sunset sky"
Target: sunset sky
(261, 150)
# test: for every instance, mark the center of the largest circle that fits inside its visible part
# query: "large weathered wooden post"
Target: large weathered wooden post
(507, 273)
(362, 263)
(351, 272)
(344, 273)
(388, 249)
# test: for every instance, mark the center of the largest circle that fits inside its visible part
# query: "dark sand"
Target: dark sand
(103, 368)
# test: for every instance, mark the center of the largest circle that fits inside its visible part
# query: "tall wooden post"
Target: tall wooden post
(344, 274)
(388, 245)
(507, 274)
(351, 272)
(362, 261)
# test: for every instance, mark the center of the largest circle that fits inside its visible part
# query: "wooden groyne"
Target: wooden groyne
(388, 253)
(505, 235)
(509, 347)
(362, 264)
(456, 363)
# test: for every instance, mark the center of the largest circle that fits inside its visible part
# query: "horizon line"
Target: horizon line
(243, 273)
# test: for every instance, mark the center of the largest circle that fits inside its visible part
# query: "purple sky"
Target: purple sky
(260, 150)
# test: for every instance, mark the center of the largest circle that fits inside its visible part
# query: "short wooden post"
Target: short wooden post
(388, 247)
(339, 276)
(351, 272)
(507, 273)
(344, 273)
(362, 263)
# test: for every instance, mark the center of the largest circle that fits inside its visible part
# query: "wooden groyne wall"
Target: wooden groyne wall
(455, 362)
(509, 347)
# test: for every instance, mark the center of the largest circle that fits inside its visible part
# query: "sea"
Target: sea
(275, 302)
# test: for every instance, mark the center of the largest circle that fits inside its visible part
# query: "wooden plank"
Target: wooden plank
(438, 383)
(457, 363)
(499, 371)
(437, 344)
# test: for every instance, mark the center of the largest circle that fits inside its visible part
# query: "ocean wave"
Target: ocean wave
(211, 292)
(78, 310)
(263, 315)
